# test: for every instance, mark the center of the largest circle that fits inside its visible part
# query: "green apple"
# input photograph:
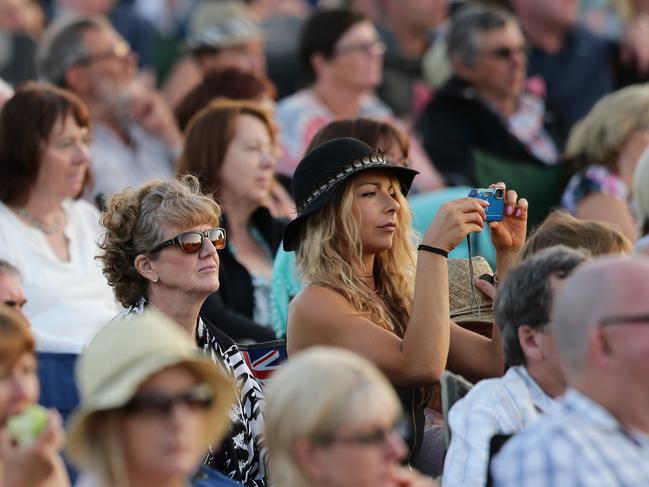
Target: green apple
(26, 426)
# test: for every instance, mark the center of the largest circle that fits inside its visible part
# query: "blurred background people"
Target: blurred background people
(222, 34)
(408, 28)
(135, 136)
(160, 249)
(641, 200)
(578, 67)
(38, 463)
(236, 84)
(485, 106)
(148, 414)
(47, 232)
(342, 55)
(230, 146)
(334, 420)
(605, 147)
(11, 288)
(231, 83)
(137, 31)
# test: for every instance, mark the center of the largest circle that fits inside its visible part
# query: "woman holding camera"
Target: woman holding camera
(367, 290)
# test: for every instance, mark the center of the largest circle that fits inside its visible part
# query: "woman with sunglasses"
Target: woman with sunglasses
(149, 412)
(160, 250)
(46, 230)
(230, 146)
(367, 289)
(333, 420)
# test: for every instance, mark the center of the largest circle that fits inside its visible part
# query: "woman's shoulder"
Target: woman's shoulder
(593, 179)
(81, 211)
(318, 304)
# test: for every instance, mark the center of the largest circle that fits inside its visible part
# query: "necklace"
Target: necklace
(55, 227)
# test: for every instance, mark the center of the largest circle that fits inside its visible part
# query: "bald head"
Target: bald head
(612, 286)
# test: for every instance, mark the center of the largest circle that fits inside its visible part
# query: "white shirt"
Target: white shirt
(67, 302)
(504, 405)
(116, 165)
(579, 445)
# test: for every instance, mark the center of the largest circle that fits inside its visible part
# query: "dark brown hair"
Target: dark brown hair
(209, 135)
(15, 337)
(27, 121)
(232, 83)
(380, 136)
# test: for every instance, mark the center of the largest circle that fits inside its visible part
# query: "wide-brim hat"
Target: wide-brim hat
(221, 24)
(123, 355)
(461, 295)
(321, 173)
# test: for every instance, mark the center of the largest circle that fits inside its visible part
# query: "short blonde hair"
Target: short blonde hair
(561, 228)
(598, 138)
(134, 221)
(313, 395)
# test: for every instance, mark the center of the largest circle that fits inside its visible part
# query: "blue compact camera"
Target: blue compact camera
(496, 199)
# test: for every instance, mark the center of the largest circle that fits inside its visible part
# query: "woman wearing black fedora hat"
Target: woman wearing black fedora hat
(367, 290)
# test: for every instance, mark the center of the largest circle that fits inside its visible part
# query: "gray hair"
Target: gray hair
(8, 268)
(463, 39)
(62, 46)
(525, 298)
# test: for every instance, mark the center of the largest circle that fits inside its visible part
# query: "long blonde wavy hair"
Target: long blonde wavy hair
(330, 246)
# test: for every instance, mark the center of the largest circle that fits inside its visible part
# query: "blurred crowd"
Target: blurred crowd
(241, 243)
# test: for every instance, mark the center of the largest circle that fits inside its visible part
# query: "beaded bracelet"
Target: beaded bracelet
(434, 250)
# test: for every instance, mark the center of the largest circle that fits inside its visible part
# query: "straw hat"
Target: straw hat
(123, 355)
(460, 293)
(321, 173)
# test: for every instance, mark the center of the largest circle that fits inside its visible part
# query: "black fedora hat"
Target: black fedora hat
(322, 172)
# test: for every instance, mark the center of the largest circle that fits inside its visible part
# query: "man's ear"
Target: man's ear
(146, 268)
(528, 338)
(308, 456)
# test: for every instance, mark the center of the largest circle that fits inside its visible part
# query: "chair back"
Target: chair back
(541, 185)
(454, 387)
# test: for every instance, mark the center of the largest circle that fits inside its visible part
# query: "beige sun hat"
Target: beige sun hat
(123, 355)
(460, 293)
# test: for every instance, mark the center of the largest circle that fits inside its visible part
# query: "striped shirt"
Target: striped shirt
(504, 405)
(581, 444)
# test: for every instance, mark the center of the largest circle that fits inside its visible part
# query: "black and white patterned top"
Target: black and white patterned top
(242, 456)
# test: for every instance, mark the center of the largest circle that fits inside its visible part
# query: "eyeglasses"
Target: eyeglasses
(192, 242)
(200, 397)
(120, 51)
(624, 320)
(505, 53)
(376, 437)
(375, 48)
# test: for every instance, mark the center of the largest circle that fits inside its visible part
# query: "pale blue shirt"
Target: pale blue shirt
(504, 405)
(580, 444)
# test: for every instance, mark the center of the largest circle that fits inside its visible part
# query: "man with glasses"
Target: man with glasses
(485, 106)
(135, 135)
(600, 433)
(509, 404)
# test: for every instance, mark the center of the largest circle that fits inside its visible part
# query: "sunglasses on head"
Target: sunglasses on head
(198, 398)
(192, 242)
